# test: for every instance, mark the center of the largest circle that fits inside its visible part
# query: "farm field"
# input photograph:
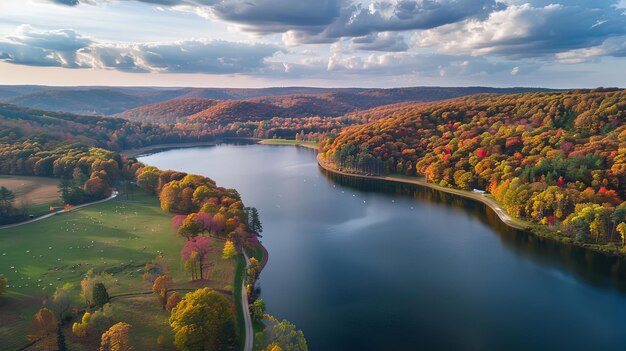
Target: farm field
(117, 237)
(37, 193)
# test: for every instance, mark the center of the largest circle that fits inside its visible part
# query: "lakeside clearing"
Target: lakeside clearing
(307, 144)
(118, 237)
(489, 201)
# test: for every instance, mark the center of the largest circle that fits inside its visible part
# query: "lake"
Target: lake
(368, 265)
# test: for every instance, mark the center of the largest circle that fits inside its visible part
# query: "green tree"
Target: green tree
(254, 221)
(61, 345)
(283, 335)
(257, 310)
(62, 301)
(203, 321)
(148, 179)
(100, 295)
(6, 200)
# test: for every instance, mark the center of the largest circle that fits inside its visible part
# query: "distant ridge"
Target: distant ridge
(311, 101)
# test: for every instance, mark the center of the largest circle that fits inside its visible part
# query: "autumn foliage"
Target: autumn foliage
(540, 154)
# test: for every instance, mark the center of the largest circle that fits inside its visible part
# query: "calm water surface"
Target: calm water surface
(362, 265)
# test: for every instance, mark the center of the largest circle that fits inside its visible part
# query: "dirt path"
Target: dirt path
(504, 217)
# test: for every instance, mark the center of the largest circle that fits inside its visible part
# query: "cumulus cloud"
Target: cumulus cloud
(42, 48)
(277, 15)
(387, 41)
(189, 56)
(66, 48)
(615, 47)
(356, 20)
(391, 64)
(595, 4)
(526, 31)
(324, 21)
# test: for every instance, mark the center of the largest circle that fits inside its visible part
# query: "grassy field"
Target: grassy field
(118, 237)
(309, 144)
(37, 193)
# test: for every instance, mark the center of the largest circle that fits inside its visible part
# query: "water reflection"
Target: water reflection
(594, 268)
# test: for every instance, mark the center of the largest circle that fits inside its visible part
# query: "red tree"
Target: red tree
(201, 245)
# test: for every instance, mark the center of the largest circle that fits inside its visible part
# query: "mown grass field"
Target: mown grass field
(36, 193)
(118, 237)
(309, 144)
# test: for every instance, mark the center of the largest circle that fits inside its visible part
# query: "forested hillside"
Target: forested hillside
(49, 129)
(194, 108)
(552, 158)
(113, 100)
(168, 112)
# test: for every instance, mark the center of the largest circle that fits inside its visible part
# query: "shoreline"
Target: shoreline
(515, 223)
(512, 222)
(162, 147)
(504, 217)
(135, 152)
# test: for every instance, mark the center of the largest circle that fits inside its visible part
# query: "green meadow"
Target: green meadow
(117, 237)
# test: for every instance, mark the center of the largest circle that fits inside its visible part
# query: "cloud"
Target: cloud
(189, 56)
(277, 15)
(66, 48)
(325, 21)
(526, 31)
(392, 64)
(590, 4)
(356, 20)
(42, 48)
(387, 41)
(66, 2)
(615, 47)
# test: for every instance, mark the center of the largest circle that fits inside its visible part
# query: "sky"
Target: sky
(327, 43)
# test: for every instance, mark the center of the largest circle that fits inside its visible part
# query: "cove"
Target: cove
(370, 265)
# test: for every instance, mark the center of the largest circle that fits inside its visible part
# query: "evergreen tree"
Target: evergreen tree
(100, 295)
(6, 200)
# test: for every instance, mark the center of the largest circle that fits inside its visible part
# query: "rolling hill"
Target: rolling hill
(299, 101)
(323, 104)
(171, 111)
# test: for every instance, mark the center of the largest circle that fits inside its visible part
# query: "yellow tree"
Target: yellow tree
(81, 328)
(203, 321)
(160, 287)
(621, 229)
(43, 328)
(116, 338)
(229, 250)
(273, 347)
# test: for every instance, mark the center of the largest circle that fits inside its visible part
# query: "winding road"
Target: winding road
(246, 311)
(113, 196)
